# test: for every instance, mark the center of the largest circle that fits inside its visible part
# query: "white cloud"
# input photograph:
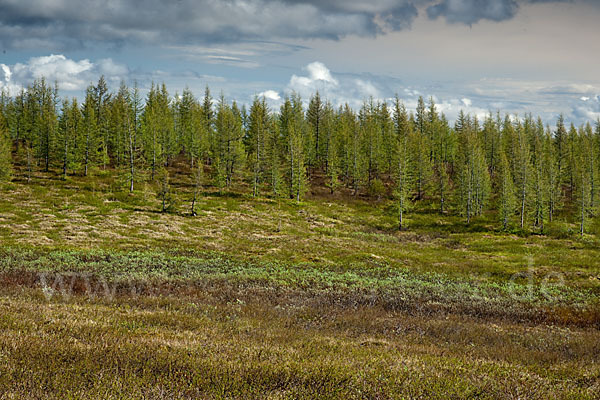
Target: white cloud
(68, 73)
(109, 68)
(6, 72)
(270, 95)
(467, 102)
(5, 81)
(319, 72)
(588, 110)
(319, 78)
(237, 56)
(336, 89)
(367, 88)
(71, 75)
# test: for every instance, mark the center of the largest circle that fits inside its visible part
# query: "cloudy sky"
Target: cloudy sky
(515, 56)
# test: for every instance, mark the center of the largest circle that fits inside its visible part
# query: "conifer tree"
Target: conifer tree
(420, 150)
(473, 182)
(157, 126)
(106, 141)
(69, 128)
(132, 122)
(371, 143)
(560, 141)
(314, 117)
(256, 141)
(540, 187)
(89, 150)
(294, 130)
(506, 192)
(584, 175)
(334, 148)
(491, 138)
(402, 175)
(44, 121)
(353, 156)
(5, 151)
(227, 149)
(522, 170)
(439, 150)
(552, 175)
(571, 161)
(207, 119)
(187, 137)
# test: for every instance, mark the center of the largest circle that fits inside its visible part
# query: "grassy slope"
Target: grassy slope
(273, 299)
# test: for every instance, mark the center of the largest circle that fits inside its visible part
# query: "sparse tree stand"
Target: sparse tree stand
(546, 172)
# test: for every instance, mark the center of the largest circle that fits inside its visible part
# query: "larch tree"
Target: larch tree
(420, 160)
(133, 123)
(552, 174)
(206, 126)
(522, 170)
(275, 147)
(44, 120)
(572, 157)
(403, 184)
(439, 149)
(187, 137)
(256, 141)
(89, 149)
(294, 129)
(227, 150)
(472, 176)
(584, 175)
(314, 118)
(334, 150)
(106, 141)
(5, 151)
(69, 128)
(540, 185)
(506, 191)
(560, 141)
(156, 126)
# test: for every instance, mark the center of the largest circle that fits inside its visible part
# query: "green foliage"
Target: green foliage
(284, 153)
(506, 192)
(5, 151)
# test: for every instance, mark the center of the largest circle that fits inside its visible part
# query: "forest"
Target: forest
(526, 171)
(181, 246)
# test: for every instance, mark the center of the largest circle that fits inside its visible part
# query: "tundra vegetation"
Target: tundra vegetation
(175, 247)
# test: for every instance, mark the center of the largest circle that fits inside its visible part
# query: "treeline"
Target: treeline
(525, 170)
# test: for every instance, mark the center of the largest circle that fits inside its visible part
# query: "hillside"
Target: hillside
(104, 296)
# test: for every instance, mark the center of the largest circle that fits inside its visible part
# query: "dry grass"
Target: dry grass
(201, 346)
(264, 298)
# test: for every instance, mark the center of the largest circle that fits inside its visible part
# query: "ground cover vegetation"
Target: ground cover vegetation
(171, 247)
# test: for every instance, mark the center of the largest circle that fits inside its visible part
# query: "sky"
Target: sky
(481, 56)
